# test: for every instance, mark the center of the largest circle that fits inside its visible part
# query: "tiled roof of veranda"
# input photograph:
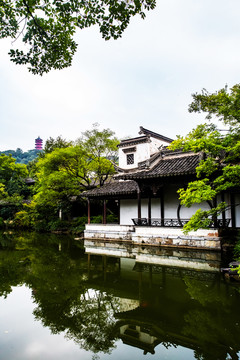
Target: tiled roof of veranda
(166, 167)
(174, 163)
(113, 188)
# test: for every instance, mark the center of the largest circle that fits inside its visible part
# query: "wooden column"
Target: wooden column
(139, 205)
(118, 204)
(223, 212)
(89, 218)
(215, 217)
(104, 211)
(149, 210)
(233, 210)
(162, 208)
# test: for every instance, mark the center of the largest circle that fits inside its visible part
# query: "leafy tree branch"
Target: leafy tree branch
(219, 169)
(49, 27)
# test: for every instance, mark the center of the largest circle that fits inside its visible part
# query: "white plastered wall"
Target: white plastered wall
(171, 201)
(186, 213)
(129, 207)
(129, 210)
(171, 204)
(155, 144)
(142, 153)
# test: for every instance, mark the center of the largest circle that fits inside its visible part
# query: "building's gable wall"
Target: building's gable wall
(141, 152)
(155, 144)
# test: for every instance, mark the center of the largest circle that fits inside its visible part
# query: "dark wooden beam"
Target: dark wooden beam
(149, 210)
(89, 211)
(139, 205)
(162, 207)
(233, 210)
(104, 211)
(223, 212)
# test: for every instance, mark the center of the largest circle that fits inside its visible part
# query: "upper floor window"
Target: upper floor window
(130, 159)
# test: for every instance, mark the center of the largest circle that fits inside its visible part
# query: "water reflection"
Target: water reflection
(97, 293)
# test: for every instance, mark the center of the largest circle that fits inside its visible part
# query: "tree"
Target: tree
(12, 185)
(58, 143)
(12, 175)
(64, 173)
(48, 27)
(219, 170)
(22, 157)
(101, 150)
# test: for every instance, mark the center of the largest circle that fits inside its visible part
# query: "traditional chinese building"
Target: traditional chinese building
(149, 176)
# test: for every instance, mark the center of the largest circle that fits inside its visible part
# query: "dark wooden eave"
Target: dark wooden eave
(114, 189)
(134, 141)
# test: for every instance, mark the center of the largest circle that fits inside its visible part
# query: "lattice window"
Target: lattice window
(130, 159)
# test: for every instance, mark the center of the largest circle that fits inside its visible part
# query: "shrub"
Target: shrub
(59, 225)
(81, 221)
(113, 219)
(2, 225)
(41, 226)
(97, 219)
(22, 219)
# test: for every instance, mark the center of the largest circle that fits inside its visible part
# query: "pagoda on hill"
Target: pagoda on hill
(38, 143)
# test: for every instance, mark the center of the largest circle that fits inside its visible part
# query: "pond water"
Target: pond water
(67, 299)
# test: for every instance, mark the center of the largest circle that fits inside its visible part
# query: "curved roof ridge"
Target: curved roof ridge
(153, 134)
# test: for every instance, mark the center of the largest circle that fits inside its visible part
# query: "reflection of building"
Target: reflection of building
(165, 305)
(138, 336)
(146, 189)
(184, 259)
(38, 143)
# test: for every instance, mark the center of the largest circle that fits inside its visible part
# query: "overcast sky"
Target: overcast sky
(146, 78)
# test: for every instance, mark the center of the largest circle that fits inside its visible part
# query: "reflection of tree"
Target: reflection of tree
(210, 322)
(64, 302)
(203, 291)
(57, 271)
(13, 264)
(12, 269)
(211, 327)
(93, 320)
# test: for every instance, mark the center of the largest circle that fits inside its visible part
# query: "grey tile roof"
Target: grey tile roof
(134, 141)
(169, 164)
(153, 134)
(114, 188)
(166, 167)
(146, 134)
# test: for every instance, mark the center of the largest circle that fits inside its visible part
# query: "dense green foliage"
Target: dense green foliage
(12, 186)
(65, 172)
(22, 157)
(52, 144)
(58, 176)
(219, 169)
(48, 27)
